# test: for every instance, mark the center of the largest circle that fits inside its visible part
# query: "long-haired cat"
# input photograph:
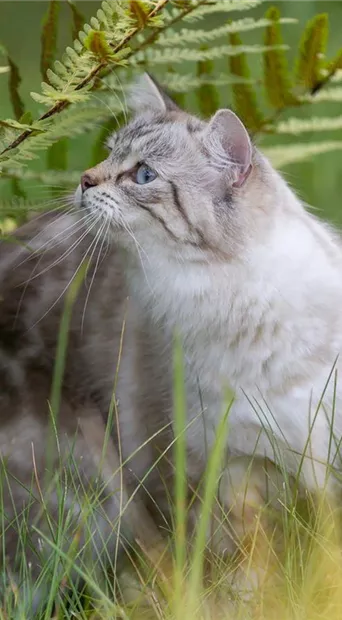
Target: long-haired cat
(199, 236)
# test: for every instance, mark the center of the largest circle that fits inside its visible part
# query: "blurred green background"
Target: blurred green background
(318, 181)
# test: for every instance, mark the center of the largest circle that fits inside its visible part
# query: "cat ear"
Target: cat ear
(146, 94)
(229, 147)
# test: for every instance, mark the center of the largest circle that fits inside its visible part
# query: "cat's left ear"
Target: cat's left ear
(147, 94)
(228, 146)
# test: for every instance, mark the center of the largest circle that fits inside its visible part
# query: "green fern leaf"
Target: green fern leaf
(286, 154)
(310, 63)
(139, 12)
(186, 36)
(303, 125)
(335, 64)
(225, 6)
(276, 74)
(178, 55)
(77, 18)
(14, 83)
(96, 42)
(49, 37)
(207, 95)
(69, 178)
(71, 122)
(245, 101)
(337, 77)
(328, 73)
(21, 126)
(326, 94)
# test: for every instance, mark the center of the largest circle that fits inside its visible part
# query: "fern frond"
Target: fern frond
(225, 6)
(286, 154)
(186, 36)
(69, 178)
(326, 94)
(156, 56)
(14, 83)
(245, 101)
(276, 73)
(312, 48)
(49, 37)
(19, 206)
(337, 77)
(77, 19)
(207, 95)
(315, 123)
(178, 82)
(71, 122)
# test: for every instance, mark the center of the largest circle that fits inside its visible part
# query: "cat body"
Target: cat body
(206, 240)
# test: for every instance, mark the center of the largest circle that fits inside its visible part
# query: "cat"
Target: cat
(196, 234)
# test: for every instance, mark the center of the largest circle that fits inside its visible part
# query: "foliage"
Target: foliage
(85, 87)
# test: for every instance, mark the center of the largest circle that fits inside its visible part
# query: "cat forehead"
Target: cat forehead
(156, 135)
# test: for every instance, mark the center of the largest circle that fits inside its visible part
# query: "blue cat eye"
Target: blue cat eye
(144, 174)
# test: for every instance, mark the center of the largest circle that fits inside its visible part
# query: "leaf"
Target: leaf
(245, 101)
(97, 43)
(335, 64)
(139, 12)
(315, 123)
(68, 178)
(329, 72)
(78, 19)
(224, 6)
(12, 124)
(197, 35)
(326, 94)
(337, 77)
(14, 83)
(312, 47)
(26, 118)
(4, 69)
(49, 37)
(286, 154)
(207, 95)
(163, 56)
(276, 75)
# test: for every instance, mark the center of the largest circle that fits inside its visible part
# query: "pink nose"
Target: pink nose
(87, 181)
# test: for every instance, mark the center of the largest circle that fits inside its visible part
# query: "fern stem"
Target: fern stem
(61, 105)
(154, 36)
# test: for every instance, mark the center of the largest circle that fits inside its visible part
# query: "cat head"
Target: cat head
(174, 182)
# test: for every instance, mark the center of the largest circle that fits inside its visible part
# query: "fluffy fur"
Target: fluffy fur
(216, 247)
(249, 278)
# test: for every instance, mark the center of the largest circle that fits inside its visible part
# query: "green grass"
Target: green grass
(291, 555)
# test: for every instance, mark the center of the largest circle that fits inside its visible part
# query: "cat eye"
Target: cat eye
(144, 174)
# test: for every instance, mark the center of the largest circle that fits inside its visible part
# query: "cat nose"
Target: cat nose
(88, 180)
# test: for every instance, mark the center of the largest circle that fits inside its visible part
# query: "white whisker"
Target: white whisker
(98, 237)
(72, 278)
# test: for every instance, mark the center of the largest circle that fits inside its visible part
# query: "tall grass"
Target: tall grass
(298, 558)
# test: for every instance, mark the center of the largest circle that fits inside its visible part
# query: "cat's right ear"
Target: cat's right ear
(229, 147)
(147, 94)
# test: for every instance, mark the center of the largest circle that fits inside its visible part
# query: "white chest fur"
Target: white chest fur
(268, 326)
